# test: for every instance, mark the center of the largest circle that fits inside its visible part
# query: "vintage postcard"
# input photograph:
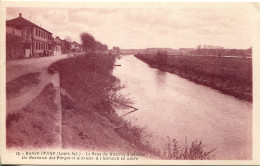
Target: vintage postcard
(130, 83)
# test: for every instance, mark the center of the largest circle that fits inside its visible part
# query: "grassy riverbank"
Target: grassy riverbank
(232, 76)
(89, 96)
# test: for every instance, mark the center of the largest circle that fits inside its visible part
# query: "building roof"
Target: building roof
(22, 21)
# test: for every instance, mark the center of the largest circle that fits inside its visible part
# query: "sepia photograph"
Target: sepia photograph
(128, 83)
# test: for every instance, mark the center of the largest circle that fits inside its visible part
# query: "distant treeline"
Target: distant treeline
(222, 52)
(191, 51)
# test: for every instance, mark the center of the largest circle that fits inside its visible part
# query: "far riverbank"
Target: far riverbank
(232, 76)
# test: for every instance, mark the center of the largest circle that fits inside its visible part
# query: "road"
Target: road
(16, 68)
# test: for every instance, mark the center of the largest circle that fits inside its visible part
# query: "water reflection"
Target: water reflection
(160, 77)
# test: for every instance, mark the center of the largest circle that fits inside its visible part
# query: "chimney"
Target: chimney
(20, 14)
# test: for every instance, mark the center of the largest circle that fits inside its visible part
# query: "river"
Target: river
(169, 105)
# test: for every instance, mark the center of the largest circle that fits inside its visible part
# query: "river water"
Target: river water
(169, 105)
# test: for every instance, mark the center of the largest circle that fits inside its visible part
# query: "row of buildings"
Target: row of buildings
(25, 39)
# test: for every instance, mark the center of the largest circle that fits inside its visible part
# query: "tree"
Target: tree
(67, 44)
(88, 42)
(116, 49)
(101, 47)
(105, 47)
(199, 47)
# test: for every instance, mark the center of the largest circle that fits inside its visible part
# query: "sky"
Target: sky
(181, 25)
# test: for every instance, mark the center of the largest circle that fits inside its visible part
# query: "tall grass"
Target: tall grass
(195, 151)
(89, 81)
